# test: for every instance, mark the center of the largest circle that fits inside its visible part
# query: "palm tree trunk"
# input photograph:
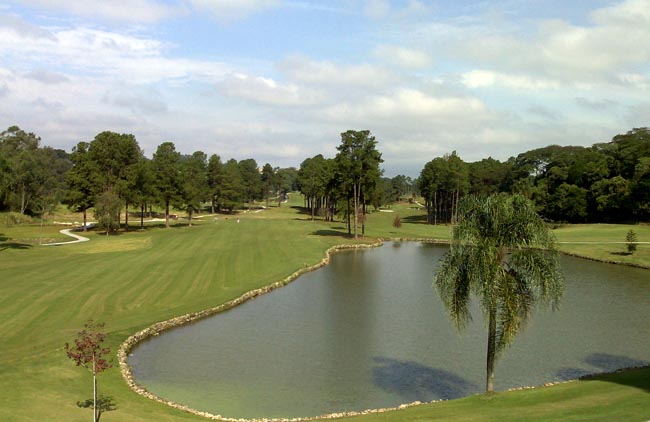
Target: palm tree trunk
(491, 350)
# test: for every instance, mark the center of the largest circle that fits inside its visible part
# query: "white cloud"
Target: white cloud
(265, 90)
(630, 12)
(106, 53)
(485, 78)
(327, 73)
(141, 11)
(138, 100)
(497, 88)
(16, 26)
(408, 105)
(46, 77)
(377, 9)
(229, 10)
(404, 57)
(565, 52)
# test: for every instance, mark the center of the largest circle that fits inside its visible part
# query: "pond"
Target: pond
(369, 331)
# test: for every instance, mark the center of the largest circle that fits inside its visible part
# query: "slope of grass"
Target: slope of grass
(605, 242)
(132, 280)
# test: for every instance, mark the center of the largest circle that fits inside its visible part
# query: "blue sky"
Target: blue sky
(279, 80)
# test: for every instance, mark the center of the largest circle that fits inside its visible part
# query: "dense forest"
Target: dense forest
(608, 182)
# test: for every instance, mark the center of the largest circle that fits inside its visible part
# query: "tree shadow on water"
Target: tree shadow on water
(414, 381)
(611, 368)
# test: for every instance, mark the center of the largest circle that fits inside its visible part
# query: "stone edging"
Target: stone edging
(157, 328)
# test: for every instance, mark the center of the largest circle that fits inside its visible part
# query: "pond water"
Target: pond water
(369, 331)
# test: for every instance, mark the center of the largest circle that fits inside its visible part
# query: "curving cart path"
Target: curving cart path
(68, 232)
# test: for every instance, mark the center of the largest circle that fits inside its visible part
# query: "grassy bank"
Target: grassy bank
(605, 242)
(132, 280)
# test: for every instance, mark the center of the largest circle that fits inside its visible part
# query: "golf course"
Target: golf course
(133, 279)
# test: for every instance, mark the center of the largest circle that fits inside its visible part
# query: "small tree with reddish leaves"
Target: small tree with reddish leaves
(87, 351)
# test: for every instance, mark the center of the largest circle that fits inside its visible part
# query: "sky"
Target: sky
(280, 80)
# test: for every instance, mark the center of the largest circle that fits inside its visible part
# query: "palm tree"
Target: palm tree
(502, 252)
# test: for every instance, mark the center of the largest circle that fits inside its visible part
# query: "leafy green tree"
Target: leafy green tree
(287, 180)
(268, 182)
(625, 151)
(442, 182)
(194, 173)
(33, 175)
(358, 165)
(630, 239)
(401, 186)
(611, 198)
(502, 252)
(232, 187)
(113, 154)
(251, 180)
(215, 180)
(166, 165)
(141, 186)
(80, 195)
(381, 193)
(88, 352)
(640, 189)
(313, 178)
(568, 203)
(107, 211)
(488, 176)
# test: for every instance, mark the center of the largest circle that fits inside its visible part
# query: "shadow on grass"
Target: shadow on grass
(13, 245)
(621, 253)
(415, 219)
(335, 232)
(104, 404)
(414, 381)
(612, 368)
(301, 210)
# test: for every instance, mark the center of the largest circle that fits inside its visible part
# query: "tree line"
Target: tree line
(606, 182)
(111, 173)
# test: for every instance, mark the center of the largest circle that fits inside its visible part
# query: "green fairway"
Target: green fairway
(132, 280)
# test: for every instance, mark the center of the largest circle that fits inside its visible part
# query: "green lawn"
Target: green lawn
(605, 242)
(133, 280)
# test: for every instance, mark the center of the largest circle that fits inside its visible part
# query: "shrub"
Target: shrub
(630, 238)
